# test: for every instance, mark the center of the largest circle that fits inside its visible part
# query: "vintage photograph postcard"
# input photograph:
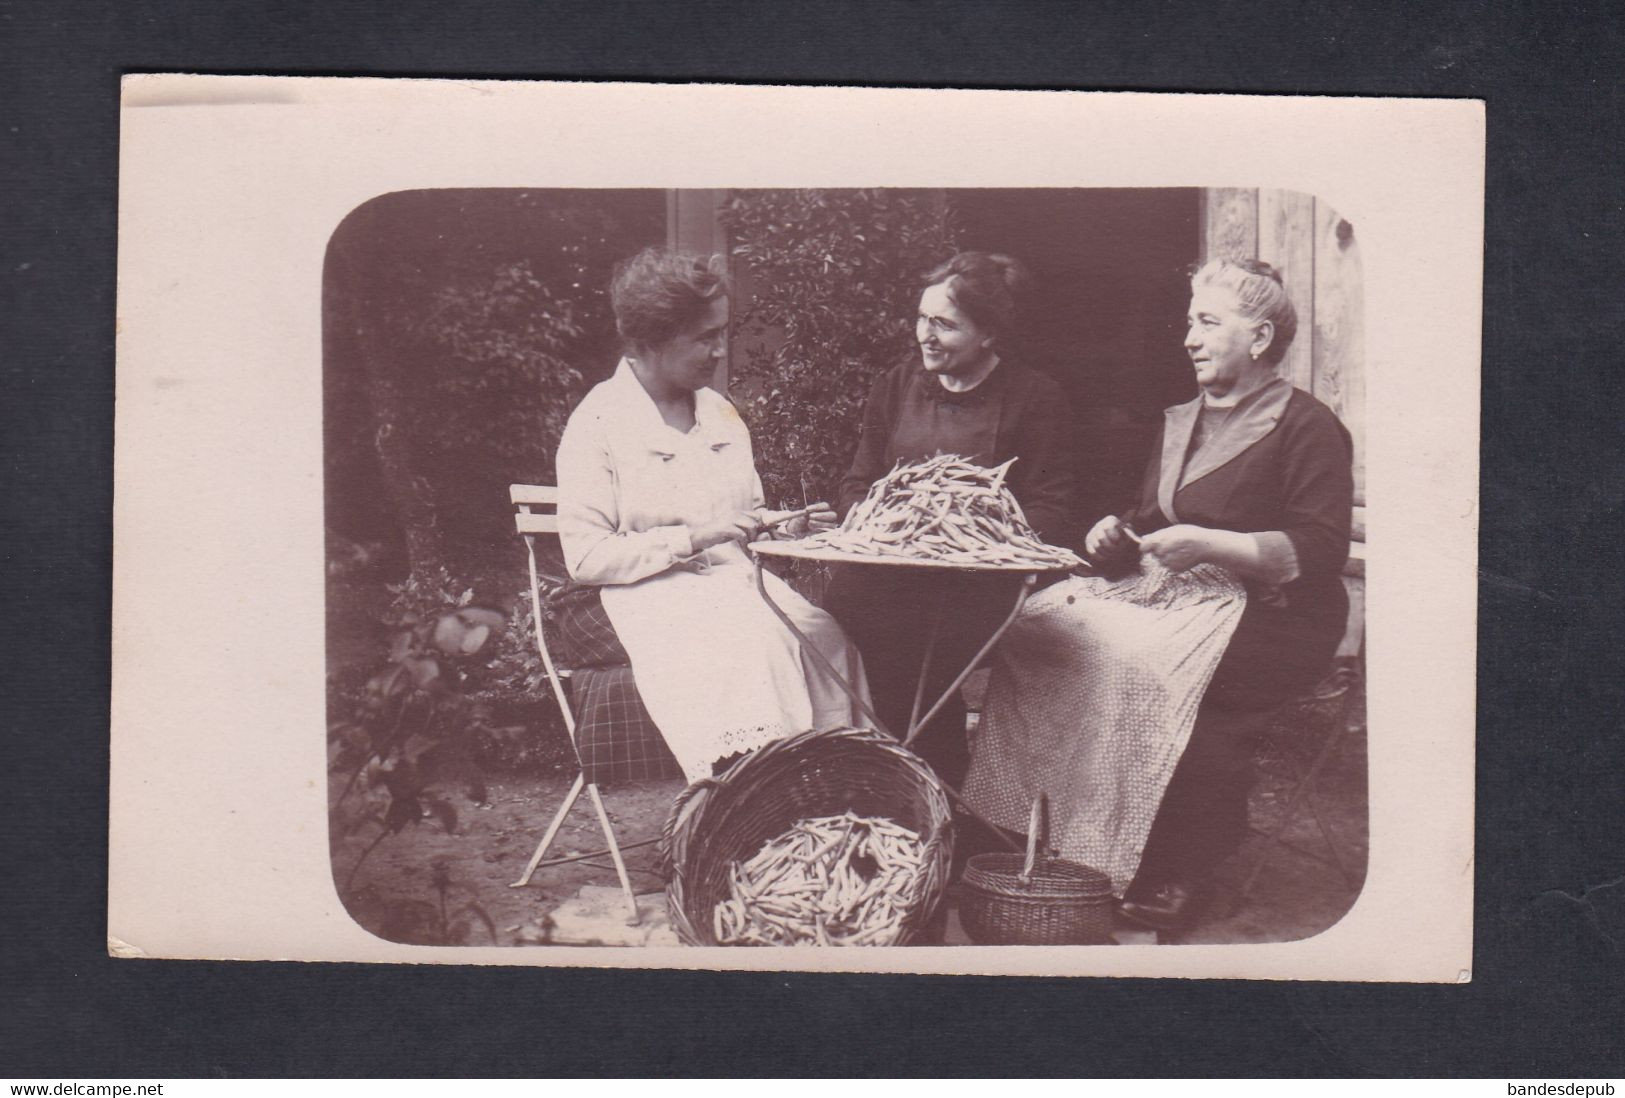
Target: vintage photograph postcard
(845, 529)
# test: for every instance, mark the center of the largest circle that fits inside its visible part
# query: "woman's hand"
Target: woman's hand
(819, 517)
(740, 526)
(1109, 537)
(1179, 548)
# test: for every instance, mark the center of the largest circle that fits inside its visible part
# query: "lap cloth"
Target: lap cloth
(579, 630)
(1092, 697)
(616, 739)
(741, 684)
(718, 671)
(615, 736)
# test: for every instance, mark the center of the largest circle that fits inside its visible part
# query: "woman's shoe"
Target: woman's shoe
(1170, 907)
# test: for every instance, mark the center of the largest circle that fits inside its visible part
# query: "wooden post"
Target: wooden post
(692, 223)
(1286, 241)
(1339, 329)
(1230, 222)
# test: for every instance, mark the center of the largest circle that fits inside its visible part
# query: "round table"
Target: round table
(794, 550)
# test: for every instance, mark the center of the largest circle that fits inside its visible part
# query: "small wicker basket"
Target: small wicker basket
(718, 821)
(1009, 899)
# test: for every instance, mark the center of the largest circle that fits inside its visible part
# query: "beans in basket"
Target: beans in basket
(944, 509)
(832, 881)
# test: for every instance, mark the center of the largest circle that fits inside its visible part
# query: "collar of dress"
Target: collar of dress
(989, 388)
(1253, 417)
(712, 414)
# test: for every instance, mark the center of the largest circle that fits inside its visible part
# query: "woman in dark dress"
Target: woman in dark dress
(963, 393)
(1256, 477)
(1249, 493)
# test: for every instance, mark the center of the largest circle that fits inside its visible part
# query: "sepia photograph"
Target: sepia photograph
(832, 550)
(835, 566)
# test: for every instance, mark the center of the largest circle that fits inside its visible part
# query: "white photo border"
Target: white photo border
(230, 188)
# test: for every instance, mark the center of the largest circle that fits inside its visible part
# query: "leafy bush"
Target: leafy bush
(518, 728)
(831, 282)
(460, 328)
(418, 726)
(527, 731)
(506, 346)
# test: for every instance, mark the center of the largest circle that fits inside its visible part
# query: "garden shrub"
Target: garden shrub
(829, 285)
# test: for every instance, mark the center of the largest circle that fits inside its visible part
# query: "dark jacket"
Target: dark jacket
(1292, 471)
(1017, 412)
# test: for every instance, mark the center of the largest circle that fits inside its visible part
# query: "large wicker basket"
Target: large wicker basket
(718, 821)
(1008, 899)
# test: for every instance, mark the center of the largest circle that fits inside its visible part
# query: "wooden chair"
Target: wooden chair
(530, 524)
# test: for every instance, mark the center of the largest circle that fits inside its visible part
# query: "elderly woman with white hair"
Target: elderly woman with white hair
(1132, 697)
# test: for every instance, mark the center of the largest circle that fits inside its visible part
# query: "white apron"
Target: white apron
(1092, 698)
(718, 672)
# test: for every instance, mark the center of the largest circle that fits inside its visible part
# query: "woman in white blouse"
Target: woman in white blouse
(658, 493)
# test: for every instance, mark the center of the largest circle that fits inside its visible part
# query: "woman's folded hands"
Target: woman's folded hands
(1183, 546)
(1180, 547)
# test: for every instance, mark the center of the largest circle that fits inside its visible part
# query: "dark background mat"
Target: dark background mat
(1550, 914)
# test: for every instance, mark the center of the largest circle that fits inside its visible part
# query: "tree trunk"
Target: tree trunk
(407, 492)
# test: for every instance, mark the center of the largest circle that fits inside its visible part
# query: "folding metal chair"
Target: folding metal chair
(1337, 692)
(529, 524)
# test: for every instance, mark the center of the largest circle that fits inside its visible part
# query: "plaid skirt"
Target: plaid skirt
(616, 739)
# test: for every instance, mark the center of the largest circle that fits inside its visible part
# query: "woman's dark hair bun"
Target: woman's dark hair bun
(982, 285)
(1015, 272)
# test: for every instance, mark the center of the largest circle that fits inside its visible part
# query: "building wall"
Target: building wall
(1318, 255)
(692, 224)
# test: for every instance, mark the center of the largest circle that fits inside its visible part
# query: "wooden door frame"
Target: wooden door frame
(693, 224)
